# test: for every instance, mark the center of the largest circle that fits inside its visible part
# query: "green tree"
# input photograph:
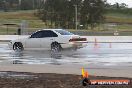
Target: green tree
(57, 12)
(92, 13)
(1, 4)
(61, 13)
(26, 4)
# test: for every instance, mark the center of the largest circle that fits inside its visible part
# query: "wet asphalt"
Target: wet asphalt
(106, 54)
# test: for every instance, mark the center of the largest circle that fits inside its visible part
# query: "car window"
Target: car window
(43, 34)
(48, 33)
(64, 32)
(36, 35)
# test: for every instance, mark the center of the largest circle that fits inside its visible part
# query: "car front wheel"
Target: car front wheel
(18, 46)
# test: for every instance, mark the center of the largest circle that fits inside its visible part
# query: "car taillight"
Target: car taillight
(77, 39)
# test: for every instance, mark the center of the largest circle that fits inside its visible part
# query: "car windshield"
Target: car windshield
(64, 32)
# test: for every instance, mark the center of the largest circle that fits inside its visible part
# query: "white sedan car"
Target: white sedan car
(49, 39)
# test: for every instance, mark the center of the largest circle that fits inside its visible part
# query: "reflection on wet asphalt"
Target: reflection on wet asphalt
(103, 53)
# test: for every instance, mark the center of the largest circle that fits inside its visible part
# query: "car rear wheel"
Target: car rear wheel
(18, 46)
(56, 47)
(55, 50)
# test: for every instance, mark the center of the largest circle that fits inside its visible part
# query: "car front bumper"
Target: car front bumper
(10, 45)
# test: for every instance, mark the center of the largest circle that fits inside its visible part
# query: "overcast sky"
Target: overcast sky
(128, 2)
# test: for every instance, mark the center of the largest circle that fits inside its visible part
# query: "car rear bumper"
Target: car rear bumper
(76, 45)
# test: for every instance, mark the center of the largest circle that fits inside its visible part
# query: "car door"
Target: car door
(48, 37)
(34, 41)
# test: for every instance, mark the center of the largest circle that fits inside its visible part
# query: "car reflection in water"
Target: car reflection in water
(17, 54)
(35, 57)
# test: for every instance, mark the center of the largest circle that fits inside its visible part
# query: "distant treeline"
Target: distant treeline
(14, 5)
(127, 11)
(118, 8)
(9, 5)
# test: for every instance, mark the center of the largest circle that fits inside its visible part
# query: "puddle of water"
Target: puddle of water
(104, 53)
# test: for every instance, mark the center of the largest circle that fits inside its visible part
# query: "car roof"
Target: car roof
(51, 29)
(48, 29)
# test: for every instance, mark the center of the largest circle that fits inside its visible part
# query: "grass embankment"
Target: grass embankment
(122, 22)
(17, 18)
(118, 18)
